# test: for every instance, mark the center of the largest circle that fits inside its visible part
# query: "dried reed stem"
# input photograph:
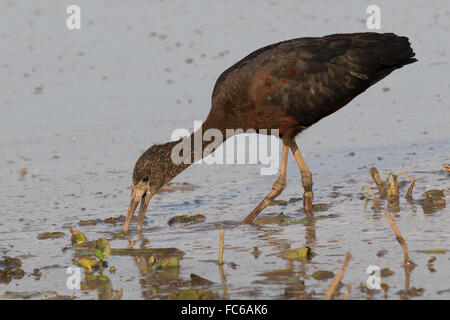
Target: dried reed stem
(399, 238)
(376, 177)
(222, 232)
(411, 185)
(370, 189)
(338, 278)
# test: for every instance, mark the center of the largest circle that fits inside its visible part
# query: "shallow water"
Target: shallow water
(80, 107)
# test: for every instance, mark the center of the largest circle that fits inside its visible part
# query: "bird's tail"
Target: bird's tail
(398, 51)
(391, 52)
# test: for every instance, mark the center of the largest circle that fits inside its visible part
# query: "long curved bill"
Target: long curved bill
(137, 196)
(144, 204)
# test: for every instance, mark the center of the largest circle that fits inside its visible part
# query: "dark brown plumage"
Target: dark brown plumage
(287, 86)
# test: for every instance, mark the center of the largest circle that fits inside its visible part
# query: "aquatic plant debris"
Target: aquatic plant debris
(170, 262)
(191, 294)
(119, 235)
(411, 184)
(77, 236)
(10, 270)
(446, 166)
(297, 254)
(187, 219)
(199, 281)
(388, 189)
(278, 202)
(10, 262)
(305, 220)
(87, 262)
(87, 222)
(386, 272)
(434, 201)
(438, 251)
(434, 193)
(50, 235)
(270, 219)
(323, 275)
(374, 197)
(102, 249)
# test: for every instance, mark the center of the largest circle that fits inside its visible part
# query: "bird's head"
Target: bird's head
(153, 169)
(144, 186)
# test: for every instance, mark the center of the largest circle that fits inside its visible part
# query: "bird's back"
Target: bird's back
(293, 84)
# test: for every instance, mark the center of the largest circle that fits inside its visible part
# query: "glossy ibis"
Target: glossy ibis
(287, 86)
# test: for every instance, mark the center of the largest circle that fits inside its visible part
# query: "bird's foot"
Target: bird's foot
(308, 198)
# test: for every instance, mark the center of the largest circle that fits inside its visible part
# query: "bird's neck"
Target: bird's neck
(182, 153)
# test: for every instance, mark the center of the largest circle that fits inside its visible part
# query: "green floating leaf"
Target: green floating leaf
(297, 254)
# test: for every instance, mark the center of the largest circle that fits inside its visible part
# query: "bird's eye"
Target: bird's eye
(145, 179)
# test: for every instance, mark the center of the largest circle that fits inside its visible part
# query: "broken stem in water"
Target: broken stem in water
(411, 185)
(222, 232)
(376, 177)
(338, 278)
(392, 188)
(399, 238)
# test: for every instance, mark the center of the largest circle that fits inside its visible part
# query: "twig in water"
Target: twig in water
(222, 232)
(338, 278)
(399, 239)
